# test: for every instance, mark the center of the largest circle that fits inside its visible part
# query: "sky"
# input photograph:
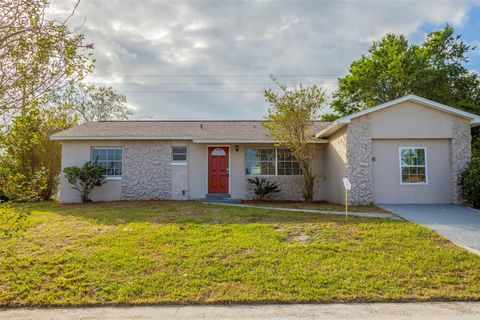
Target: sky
(212, 59)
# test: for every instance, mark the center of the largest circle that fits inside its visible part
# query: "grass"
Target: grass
(316, 205)
(172, 252)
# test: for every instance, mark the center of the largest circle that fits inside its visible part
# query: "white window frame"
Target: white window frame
(180, 162)
(276, 164)
(108, 177)
(425, 166)
(259, 175)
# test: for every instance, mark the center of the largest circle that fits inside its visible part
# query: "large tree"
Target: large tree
(291, 116)
(38, 54)
(394, 67)
(93, 103)
(30, 161)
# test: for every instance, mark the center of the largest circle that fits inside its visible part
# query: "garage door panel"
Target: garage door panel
(387, 173)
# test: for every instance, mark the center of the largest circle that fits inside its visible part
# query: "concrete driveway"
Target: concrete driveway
(459, 224)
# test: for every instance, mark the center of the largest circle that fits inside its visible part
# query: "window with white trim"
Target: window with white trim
(287, 165)
(110, 158)
(270, 162)
(179, 154)
(413, 165)
(260, 161)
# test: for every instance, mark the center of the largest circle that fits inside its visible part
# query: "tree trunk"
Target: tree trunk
(308, 181)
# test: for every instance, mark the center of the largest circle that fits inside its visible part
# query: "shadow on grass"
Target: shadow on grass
(181, 212)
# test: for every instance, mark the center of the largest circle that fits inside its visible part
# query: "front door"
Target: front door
(218, 169)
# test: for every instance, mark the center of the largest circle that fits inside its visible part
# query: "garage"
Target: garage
(411, 171)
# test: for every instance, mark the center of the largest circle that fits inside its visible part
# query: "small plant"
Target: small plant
(12, 219)
(85, 178)
(262, 188)
(469, 183)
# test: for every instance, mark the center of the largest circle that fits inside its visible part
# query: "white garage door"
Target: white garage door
(411, 171)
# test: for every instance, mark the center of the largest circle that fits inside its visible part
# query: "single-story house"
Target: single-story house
(409, 150)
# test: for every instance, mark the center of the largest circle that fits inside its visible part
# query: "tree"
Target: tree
(94, 103)
(394, 67)
(290, 119)
(30, 161)
(434, 70)
(37, 55)
(85, 178)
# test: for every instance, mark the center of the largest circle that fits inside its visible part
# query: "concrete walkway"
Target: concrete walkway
(459, 224)
(372, 311)
(358, 214)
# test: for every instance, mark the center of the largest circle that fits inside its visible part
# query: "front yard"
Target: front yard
(172, 252)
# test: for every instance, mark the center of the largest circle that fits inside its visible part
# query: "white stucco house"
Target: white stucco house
(410, 150)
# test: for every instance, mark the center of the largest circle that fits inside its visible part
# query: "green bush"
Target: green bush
(262, 188)
(469, 183)
(23, 187)
(85, 178)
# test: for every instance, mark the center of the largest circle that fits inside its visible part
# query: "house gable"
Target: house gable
(410, 101)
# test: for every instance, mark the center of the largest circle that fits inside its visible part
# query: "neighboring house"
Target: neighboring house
(409, 150)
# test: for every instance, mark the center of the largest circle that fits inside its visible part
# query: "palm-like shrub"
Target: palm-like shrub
(262, 188)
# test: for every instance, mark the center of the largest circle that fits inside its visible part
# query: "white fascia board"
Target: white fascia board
(334, 126)
(60, 138)
(425, 102)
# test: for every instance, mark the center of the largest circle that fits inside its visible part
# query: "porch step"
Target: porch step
(218, 196)
(221, 201)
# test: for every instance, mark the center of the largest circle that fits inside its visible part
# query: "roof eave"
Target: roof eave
(70, 138)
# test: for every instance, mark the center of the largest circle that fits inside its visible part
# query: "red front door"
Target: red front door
(218, 169)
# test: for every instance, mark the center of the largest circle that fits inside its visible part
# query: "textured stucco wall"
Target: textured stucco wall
(460, 153)
(147, 173)
(359, 161)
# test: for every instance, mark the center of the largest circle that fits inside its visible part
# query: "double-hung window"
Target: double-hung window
(270, 162)
(179, 154)
(110, 158)
(413, 165)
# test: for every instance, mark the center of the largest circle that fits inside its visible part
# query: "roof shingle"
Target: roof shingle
(228, 130)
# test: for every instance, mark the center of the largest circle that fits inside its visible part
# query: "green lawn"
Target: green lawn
(168, 252)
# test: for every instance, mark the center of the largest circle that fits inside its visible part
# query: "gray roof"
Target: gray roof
(201, 131)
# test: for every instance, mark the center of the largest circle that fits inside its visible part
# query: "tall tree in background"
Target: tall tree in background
(434, 70)
(395, 67)
(290, 120)
(94, 103)
(38, 55)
